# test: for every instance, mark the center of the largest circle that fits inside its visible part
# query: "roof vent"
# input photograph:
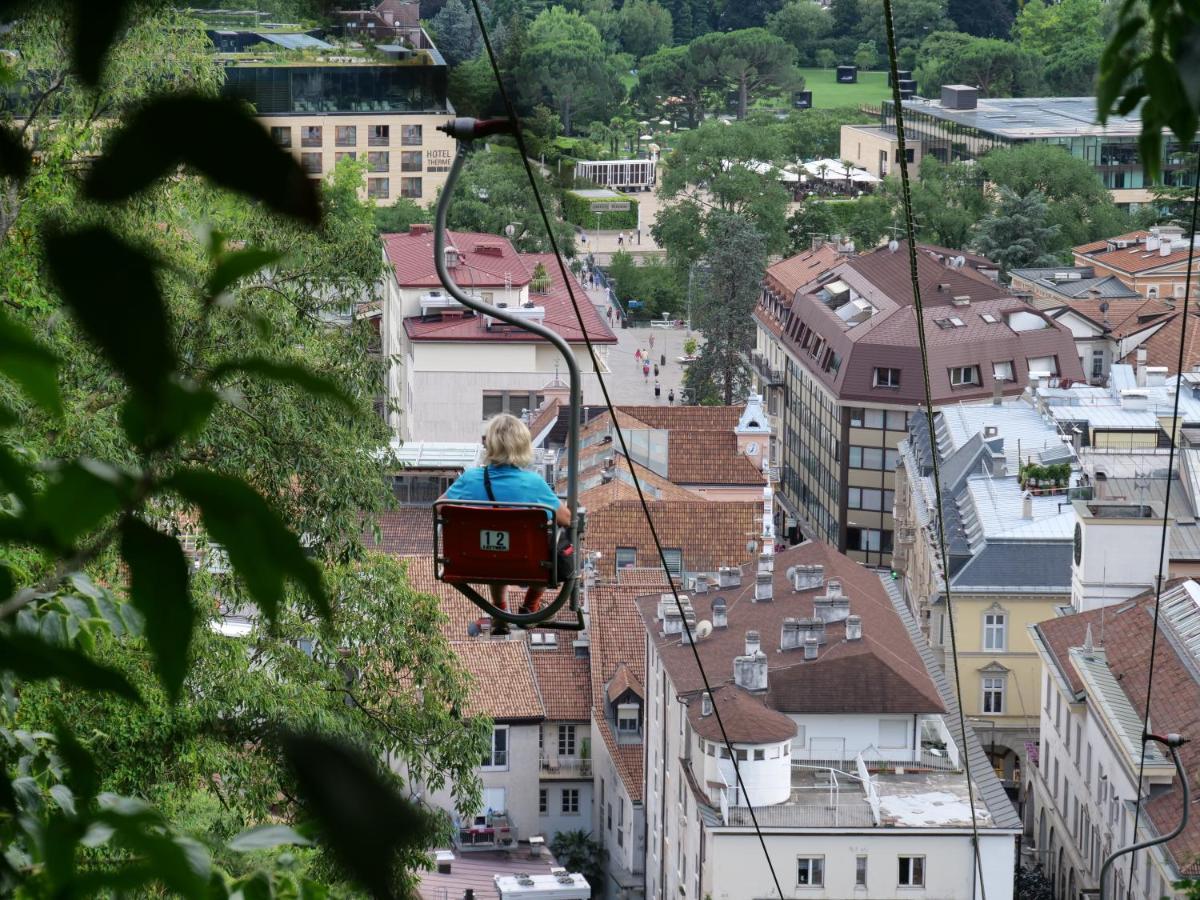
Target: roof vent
(729, 576)
(753, 643)
(451, 258)
(706, 704)
(719, 613)
(854, 628)
(672, 622)
(766, 563)
(420, 228)
(789, 634)
(810, 646)
(494, 250)
(764, 590)
(962, 300)
(807, 578)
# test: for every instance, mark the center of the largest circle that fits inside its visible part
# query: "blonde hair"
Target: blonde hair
(507, 442)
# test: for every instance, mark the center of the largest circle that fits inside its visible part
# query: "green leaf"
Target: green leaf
(266, 837)
(14, 475)
(81, 768)
(181, 414)
(256, 886)
(29, 657)
(95, 25)
(260, 547)
(288, 373)
(79, 496)
(29, 364)
(8, 799)
(179, 863)
(234, 266)
(364, 820)
(112, 292)
(158, 588)
(14, 155)
(217, 137)
(64, 798)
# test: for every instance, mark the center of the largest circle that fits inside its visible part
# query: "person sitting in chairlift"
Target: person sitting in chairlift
(507, 451)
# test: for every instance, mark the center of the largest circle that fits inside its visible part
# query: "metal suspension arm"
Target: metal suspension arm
(1172, 742)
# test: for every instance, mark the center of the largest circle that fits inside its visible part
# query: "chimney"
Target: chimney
(1152, 242)
(997, 390)
(719, 613)
(729, 576)
(854, 628)
(807, 578)
(789, 634)
(1027, 506)
(1164, 250)
(998, 464)
(766, 563)
(672, 621)
(764, 590)
(1141, 367)
(753, 643)
(750, 671)
(706, 704)
(810, 646)
(813, 627)
(689, 633)
(420, 228)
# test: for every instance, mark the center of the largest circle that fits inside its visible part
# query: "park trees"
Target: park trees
(1017, 232)
(804, 25)
(999, 68)
(677, 72)
(752, 61)
(457, 32)
(1070, 36)
(983, 18)
(643, 26)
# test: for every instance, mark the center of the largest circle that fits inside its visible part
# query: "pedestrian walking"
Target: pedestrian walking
(664, 359)
(671, 395)
(651, 342)
(621, 239)
(646, 373)
(657, 390)
(637, 354)
(656, 370)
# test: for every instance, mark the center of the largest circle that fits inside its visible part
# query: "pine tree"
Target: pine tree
(457, 32)
(1016, 233)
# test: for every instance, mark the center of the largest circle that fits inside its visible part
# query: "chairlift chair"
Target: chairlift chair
(489, 542)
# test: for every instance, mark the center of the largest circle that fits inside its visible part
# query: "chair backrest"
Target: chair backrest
(495, 543)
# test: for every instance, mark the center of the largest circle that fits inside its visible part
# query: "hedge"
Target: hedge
(578, 211)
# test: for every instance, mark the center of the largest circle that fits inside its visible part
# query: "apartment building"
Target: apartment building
(380, 105)
(1085, 785)
(450, 369)
(1152, 264)
(825, 699)
(838, 359)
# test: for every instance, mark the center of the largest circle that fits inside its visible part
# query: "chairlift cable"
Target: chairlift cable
(918, 307)
(518, 135)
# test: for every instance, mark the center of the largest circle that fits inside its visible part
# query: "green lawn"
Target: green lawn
(827, 93)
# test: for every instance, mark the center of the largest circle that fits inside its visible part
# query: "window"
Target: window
(893, 733)
(497, 756)
(620, 821)
(897, 420)
(626, 557)
(282, 136)
(566, 740)
(962, 376)
(1043, 364)
(1179, 292)
(570, 801)
(310, 135)
(888, 378)
(810, 871)
(674, 560)
(410, 135)
(380, 135)
(760, 755)
(912, 871)
(345, 136)
(410, 161)
(608, 817)
(378, 188)
(995, 626)
(543, 802)
(1097, 363)
(993, 694)
(514, 402)
(311, 163)
(860, 871)
(378, 161)
(338, 157)
(870, 498)
(869, 539)
(411, 188)
(629, 720)
(1002, 371)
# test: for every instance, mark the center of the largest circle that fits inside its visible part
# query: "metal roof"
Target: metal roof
(1025, 118)
(1017, 566)
(295, 41)
(1106, 691)
(1181, 609)
(435, 454)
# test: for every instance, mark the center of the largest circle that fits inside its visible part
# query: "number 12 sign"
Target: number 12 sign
(493, 540)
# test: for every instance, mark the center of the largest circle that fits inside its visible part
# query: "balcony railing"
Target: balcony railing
(570, 767)
(766, 371)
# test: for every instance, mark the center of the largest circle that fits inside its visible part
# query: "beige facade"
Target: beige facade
(876, 150)
(406, 155)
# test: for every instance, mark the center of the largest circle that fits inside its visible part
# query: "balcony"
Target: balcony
(566, 768)
(763, 368)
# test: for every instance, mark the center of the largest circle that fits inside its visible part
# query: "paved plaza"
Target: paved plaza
(626, 384)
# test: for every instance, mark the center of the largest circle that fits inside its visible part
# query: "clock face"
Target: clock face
(1078, 543)
(752, 448)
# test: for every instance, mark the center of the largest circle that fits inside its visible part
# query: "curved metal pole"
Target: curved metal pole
(1172, 742)
(456, 129)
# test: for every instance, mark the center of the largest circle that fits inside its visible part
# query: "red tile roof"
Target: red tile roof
(1133, 259)
(1162, 347)
(747, 718)
(789, 275)
(1125, 317)
(1103, 244)
(407, 531)
(881, 672)
(503, 684)
(1125, 634)
(411, 256)
(564, 680)
(624, 680)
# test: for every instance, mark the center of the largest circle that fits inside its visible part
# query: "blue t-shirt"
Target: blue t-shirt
(509, 484)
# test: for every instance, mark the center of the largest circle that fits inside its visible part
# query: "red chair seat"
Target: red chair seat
(495, 543)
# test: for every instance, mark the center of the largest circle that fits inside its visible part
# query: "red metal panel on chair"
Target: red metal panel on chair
(481, 544)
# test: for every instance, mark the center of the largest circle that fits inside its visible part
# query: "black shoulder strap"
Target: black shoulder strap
(487, 484)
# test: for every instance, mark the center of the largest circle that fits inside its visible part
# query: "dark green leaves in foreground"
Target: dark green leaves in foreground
(158, 588)
(363, 820)
(286, 373)
(14, 155)
(217, 138)
(261, 548)
(28, 656)
(30, 365)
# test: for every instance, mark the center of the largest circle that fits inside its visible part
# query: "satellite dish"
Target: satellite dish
(959, 262)
(703, 629)
(893, 245)
(751, 546)
(791, 572)
(510, 230)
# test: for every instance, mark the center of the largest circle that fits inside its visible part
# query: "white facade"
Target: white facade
(1116, 552)
(618, 824)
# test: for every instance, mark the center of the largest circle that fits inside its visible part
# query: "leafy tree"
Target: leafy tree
(752, 60)
(999, 68)
(914, 21)
(1070, 35)
(677, 72)
(457, 32)
(1017, 234)
(643, 26)
(471, 87)
(399, 216)
(679, 229)
(866, 220)
(804, 25)
(657, 285)
(815, 218)
(578, 852)
(865, 56)
(816, 133)
(691, 18)
(947, 201)
(746, 14)
(735, 261)
(826, 58)
(565, 61)
(846, 18)
(983, 18)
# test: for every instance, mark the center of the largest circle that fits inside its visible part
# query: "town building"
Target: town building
(1085, 785)
(1008, 539)
(449, 369)
(387, 21)
(838, 358)
(961, 125)
(845, 741)
(1152, 264)
(325, 103)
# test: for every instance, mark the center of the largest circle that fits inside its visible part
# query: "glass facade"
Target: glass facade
(339, 89)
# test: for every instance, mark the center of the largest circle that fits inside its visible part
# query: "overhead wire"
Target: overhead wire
(519, 137)
(918, 307)
(1162, 543)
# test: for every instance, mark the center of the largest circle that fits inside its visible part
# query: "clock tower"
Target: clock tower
(753, 430)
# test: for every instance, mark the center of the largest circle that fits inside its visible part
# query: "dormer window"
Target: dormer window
(451, 257)
(629, 719)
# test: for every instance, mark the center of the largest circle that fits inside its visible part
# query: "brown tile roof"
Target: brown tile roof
(1162, 347)
(411, 256)
(407, 531)
(889, 272)
(896, 679)
(789, 275)
(644, 576)
(459, 612)
(1125, 632)
(503, 686)
(624, 680)
(617, 642)
(710, 533)
(1124, 317)
(747, 719)
(563, 679)
(1133, 259)
(1103, 243)
(687, 418)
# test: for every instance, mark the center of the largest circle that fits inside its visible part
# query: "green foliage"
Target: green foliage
(983, 18)
(804, 25)
(1058, 474)
(1032, 884)
(998, 68)
(578, 210)
(578, 852)
(643, 26)
(471, 87)
(947, 201)
(397, 218)
(1070, 37)
(1016, 233)
(658, 286)
(457, 32)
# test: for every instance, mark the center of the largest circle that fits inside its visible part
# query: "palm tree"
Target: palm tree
(577, 852)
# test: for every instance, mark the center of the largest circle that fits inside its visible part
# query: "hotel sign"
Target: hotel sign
(610, 206)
